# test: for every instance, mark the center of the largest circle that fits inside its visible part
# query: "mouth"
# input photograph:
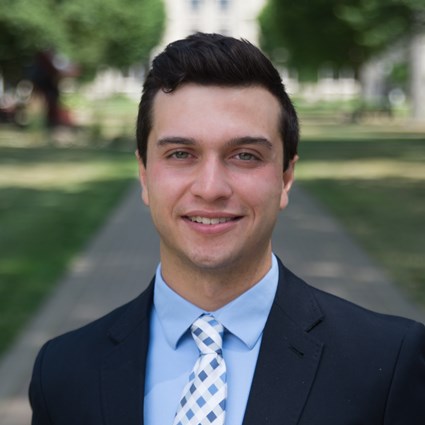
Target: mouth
(211, 220)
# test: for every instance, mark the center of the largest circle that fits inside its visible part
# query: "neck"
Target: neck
(211, 289)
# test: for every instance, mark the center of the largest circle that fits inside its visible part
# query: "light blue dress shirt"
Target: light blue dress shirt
(172, 351)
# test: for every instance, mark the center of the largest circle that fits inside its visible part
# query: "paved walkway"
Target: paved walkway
(121, 259)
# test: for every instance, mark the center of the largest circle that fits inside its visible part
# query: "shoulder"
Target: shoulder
(370, 363)
(91, 341)
(337, 319)
(68, 367)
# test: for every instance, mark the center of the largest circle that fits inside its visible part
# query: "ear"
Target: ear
(287, 180)
(143, 179)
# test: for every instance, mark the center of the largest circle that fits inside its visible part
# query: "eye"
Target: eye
(246, 156)
(180, 155)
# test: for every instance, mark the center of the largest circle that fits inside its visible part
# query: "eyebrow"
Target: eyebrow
(238, 141)
(250, 140)
(175, 141)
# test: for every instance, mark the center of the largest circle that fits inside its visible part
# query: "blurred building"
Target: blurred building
(237, 18)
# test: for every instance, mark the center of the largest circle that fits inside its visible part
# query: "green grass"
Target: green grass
(373, 179)
(51, 202)
(111, 118)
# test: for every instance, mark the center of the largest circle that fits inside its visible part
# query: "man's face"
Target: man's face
(214, 177)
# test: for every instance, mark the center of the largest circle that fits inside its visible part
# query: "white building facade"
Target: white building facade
(237, 18)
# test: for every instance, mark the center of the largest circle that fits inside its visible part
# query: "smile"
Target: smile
(206, 220)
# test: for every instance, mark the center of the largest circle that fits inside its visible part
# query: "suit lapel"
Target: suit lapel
(288, 358)
(285, 371)
(123, 368)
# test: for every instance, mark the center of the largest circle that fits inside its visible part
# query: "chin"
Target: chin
(210, 262)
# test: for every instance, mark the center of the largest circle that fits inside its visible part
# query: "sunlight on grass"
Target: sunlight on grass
(66, 177)
(52, 201)
(360, 169)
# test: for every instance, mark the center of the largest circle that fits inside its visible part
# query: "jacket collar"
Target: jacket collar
(289, 355)
(123, 368)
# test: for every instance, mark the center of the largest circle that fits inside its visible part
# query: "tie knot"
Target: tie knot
(208, 334)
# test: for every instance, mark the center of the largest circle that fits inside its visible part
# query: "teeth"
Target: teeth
(205, 220)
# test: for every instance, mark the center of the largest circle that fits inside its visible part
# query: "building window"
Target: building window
(194, 4)
(224, 4)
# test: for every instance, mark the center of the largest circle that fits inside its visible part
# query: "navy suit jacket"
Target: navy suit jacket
(323, 361)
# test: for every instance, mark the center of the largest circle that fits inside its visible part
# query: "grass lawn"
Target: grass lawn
(373, 179)
(51, 202)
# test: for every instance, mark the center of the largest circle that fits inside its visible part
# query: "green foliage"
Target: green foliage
(311, 33)
(377, 23)
(137, 30)
(335, 33)
(92, 33)
(25, 27)
(115, 33)
(82, 19)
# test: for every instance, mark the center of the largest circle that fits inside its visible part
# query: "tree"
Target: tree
(381, 23)
(115, 33)
(343, 33)
(311, 35)
(92, 33)
(25, 27)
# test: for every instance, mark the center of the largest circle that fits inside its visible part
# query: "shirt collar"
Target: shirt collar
(245, 316)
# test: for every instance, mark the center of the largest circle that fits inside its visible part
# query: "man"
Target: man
(225, 334)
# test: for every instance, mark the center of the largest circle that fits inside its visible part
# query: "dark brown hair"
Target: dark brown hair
(213, 59)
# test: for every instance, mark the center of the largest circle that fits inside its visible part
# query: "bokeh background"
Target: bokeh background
(70, 79)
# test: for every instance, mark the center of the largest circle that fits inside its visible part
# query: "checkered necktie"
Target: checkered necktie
(204, 396)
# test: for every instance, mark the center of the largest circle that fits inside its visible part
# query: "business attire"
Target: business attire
(172, 351)
(321, 361)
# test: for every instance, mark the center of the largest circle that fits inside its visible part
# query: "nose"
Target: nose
(211, 181)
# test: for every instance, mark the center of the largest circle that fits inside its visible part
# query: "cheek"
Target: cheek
(265, 192)
(164, 186)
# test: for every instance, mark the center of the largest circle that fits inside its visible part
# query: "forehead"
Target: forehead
(197, 109)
